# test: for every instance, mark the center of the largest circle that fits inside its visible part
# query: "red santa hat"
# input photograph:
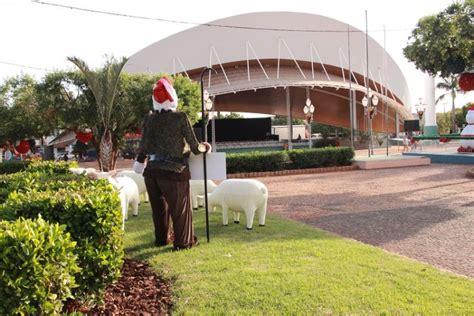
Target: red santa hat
(164, 96)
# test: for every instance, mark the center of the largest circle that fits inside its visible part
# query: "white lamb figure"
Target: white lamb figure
(197, 189)
(77, 170)
(128, 194)
(89, 171)
(241, 195)
(139, 180)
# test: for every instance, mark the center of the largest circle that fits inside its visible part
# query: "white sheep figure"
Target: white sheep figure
(197, 190)
(77, 170)
(241, 195)
(139, 180)
(128, 194)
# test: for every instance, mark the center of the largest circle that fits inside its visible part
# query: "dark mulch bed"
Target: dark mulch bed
(139, 291)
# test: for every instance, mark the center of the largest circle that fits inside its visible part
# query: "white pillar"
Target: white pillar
(430, 126)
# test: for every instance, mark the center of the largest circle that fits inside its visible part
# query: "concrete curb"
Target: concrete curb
(290, 172)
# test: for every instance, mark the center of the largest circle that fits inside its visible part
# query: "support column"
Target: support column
(351, 118)
(354, 113)
(430, 126)
(289, 118)
(213, 128)
(397, 124)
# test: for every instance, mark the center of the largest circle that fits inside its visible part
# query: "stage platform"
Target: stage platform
(392, 161)
(444, 157)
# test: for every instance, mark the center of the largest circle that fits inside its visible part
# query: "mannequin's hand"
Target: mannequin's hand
(208, 147)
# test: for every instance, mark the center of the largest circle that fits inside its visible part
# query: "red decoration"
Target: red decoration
(84, 137)
(23, 147)
(466, 81)
(465, 150)
(136, 134)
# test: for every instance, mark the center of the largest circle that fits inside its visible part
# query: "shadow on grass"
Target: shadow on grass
(140, 240)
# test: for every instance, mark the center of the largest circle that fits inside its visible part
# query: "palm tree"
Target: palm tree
(450, 84)
(103, 84)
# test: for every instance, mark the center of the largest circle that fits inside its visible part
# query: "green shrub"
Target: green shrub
(51, 167)
(37, 267)
(324, 142)
(12, 166)
(256, 161)
(33, 180)
(91, 212)
(321, 157)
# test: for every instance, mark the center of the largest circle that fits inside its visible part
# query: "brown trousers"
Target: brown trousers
(170, 198)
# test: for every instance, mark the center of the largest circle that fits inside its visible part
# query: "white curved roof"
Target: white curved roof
(192, 48)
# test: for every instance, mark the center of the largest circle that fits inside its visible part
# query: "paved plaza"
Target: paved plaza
(425, 213)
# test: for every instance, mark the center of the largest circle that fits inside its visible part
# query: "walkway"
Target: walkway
(425, 213)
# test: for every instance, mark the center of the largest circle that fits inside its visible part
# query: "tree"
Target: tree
(451, 86)
(443, 44)
(233, 115)
(67, 95)
(282, 120)
(21, 116)
(443, 120)
(103, 84)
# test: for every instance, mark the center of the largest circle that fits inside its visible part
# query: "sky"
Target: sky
(41, 36)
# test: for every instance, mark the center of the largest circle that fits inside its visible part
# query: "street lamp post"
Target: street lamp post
(370, 102)
(308, 110)
(205, 101)
(420, 110)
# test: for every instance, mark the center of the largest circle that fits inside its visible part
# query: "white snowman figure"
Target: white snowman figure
(468, 130)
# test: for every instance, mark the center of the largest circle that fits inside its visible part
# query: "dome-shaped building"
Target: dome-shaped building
(271, 62)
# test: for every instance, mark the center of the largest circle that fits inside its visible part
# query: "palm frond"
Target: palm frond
(441, 97)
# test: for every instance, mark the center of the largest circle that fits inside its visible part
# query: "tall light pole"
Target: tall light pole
(367, 101)
(205, 100)
(308, 111)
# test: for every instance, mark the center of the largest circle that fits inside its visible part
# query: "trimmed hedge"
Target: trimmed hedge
(324, 142)
(51, 167)
(91, 213)
(321, 157)
(28, 181)
(292, 159)
(37, 267)
(12, 166)
(256, 161)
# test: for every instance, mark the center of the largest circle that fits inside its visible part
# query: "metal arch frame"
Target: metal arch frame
(247, 46)
(311, 48)
(176, 58)
(213, 49)
(341, 54)
(282, 40)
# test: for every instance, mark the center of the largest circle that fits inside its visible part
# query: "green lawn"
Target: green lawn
(287, 267)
